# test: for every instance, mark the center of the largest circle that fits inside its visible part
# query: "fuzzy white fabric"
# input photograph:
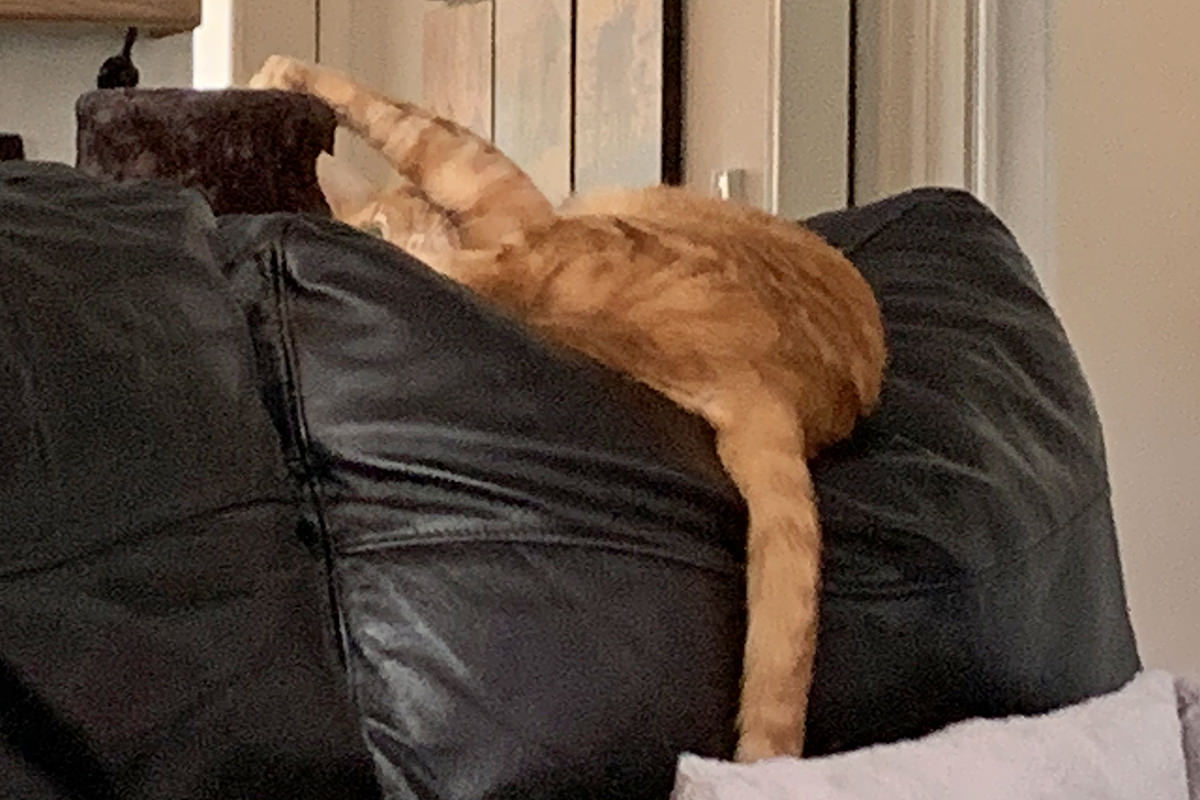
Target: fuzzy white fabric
(1128, 745)
(1188, 692)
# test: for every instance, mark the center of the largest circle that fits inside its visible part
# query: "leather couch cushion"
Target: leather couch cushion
(163, 630)
(537, 560)
(535, 564)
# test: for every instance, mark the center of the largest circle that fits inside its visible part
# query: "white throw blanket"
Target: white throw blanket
(1128, 745)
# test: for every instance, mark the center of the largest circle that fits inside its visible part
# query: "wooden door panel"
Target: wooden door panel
(533, 90)
(626, 79)
(456, 65)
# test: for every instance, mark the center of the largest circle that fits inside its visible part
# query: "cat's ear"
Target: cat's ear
(345, 188)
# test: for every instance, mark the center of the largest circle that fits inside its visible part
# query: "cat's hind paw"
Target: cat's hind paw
(758, 748)
(768, 730)
(279, 72)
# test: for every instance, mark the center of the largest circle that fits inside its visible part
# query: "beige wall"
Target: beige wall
(1125, 122)
(44, 67)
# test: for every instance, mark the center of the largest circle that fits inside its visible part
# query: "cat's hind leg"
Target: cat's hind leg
(458, 170)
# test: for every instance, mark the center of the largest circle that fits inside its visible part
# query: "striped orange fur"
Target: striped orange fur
(753, 322)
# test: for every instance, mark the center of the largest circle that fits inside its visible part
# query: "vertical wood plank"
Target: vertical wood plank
(262, 28)
(377, 43)
(728, 115)
(619, 92)
(457, 63)
(533, 90)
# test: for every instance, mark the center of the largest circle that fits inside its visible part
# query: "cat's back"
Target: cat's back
(785, 263)
(704, 219)
(756, 247)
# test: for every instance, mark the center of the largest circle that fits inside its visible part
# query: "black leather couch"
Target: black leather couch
(283, 514)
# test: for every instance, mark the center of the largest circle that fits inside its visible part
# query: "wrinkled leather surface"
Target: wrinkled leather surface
(538, 561)
(970, 557)
(164, 633)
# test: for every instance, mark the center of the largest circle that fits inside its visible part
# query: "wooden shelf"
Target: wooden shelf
(158, 17)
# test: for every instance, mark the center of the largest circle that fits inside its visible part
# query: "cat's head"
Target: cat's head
(352, 197)
(401, 214)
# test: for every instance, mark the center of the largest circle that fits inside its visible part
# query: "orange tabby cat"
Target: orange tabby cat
(750, 321)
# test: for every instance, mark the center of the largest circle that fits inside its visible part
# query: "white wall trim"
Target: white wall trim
(1017, 169)
(981, 96)
(774, 105)
(212, 46)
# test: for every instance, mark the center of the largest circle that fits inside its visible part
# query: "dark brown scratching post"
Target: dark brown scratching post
(11, 147)
(247, 151)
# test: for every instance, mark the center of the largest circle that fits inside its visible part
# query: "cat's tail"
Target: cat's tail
(764, 455)
(489, 195)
